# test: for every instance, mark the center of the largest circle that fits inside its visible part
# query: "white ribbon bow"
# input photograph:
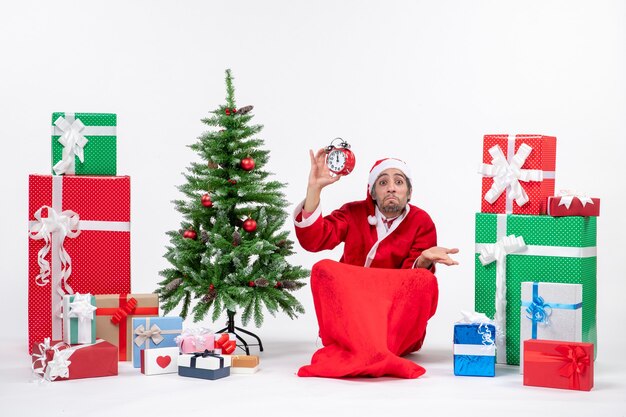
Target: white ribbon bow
(64, 225)
(58, 367)
(567, 196)
(198, 336)
(144, 334)
(82, 308)
(73, 143)
(508, 175)
(498, 252)
(473, 317)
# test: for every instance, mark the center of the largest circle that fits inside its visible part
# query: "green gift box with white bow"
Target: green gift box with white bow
(79, 319)
(84, 143)
(511, 249)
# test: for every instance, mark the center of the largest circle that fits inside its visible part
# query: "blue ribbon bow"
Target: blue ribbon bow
(538, 311)
(205, 354)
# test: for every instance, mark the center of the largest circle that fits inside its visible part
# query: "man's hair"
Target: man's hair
(408, 184)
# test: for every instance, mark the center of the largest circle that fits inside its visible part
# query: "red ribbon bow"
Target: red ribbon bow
(227, 345)
(576, 361)
(123, 312)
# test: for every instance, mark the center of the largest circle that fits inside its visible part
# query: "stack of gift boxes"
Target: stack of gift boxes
(82, 316)
(535, 263)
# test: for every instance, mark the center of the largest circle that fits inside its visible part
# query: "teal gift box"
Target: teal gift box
(79, 319)
(511, 249)
(154, 332)
(84, 143)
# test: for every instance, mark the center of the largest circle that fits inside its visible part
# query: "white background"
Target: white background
(419, 80)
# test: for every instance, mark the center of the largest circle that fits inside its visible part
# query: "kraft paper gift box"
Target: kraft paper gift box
(205, 365)
(518, 173)
(79, 243)
(474, 349)
(115, 314)
(79, 319)
(511, 249)
(58, 361)
(558, 364)
(550, 312)
(159, 361)
(84, 143)
(194, 340)
(573, 205)
(154, 332)
(243, 364)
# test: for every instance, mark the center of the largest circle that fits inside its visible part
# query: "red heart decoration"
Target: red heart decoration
(163, 361)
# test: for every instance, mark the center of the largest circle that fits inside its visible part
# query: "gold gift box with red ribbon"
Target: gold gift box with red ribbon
(114, 318)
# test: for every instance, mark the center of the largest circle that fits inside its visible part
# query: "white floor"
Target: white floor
(275, 390)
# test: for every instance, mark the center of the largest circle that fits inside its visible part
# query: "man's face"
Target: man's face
(391, 192)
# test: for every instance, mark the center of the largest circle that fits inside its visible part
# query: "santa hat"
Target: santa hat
(380, 166)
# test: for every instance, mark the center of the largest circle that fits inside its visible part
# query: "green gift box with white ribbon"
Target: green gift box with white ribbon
(511, 249)
(79, 319)
(84, 143)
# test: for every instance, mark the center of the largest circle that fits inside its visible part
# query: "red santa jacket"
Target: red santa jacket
(412, 233)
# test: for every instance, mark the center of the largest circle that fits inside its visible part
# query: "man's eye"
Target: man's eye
(399, 182)
(382, 182)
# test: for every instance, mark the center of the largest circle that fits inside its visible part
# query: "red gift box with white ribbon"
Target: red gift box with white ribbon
(58, 361)
(558, 364)
(79, 242)
(518, 173)
(225, 343)
(570, 203)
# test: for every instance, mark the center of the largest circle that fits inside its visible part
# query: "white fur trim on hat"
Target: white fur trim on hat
(384, 165)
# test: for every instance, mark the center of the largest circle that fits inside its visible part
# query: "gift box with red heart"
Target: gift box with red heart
(154, 332)
(159, 361)
(558, 364)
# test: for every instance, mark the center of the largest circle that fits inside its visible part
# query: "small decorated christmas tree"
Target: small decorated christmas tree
(230, 253)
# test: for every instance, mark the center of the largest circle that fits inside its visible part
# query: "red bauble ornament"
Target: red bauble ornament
(232, 181)
(190, 234)
(247, 164)
(211, 287)
(278, 284)
(251, 284)
(227, 111)
(249, 225)
(206, 201)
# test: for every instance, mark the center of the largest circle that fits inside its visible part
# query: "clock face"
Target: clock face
(336, 161)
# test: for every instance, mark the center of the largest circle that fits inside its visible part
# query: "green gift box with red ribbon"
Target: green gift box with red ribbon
(511, 249)
(84, 143)
(114, 316)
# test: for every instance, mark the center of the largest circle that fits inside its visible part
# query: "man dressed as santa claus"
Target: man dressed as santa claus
(384, 232)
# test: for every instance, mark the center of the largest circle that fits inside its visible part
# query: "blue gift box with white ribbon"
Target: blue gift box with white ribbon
(550, 311)
(474, 349)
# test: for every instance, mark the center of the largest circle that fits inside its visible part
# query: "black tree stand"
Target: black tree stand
(230, 328)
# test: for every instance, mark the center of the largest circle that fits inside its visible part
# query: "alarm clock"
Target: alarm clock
(339, 158)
